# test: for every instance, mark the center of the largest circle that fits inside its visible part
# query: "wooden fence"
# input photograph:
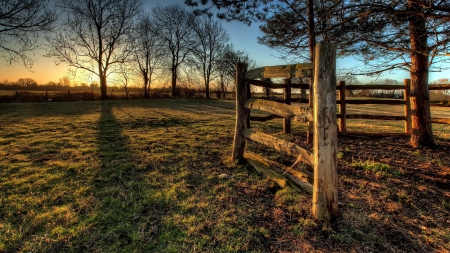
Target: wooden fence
(324, 157)
(342, 101)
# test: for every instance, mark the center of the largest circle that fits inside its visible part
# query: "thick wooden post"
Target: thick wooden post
(287, 100)
(342, 108)
(242, 114)
(407, 107)
(325, 195)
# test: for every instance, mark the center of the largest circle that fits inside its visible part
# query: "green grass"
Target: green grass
(131, 176)
(136, 176)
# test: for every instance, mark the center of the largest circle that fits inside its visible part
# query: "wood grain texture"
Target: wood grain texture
(298, 113)
(287, 147)
(242, 113)
(325, 193)
(283, 173)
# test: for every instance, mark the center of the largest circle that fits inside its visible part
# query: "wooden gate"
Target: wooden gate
(322, 115)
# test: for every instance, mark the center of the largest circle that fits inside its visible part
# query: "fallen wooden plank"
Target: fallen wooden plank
(265, 118)
(280, 180)
(280, 167)
(298, 113)
(287, 147)
(275, 171)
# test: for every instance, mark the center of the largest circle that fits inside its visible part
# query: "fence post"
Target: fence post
(407, 106)
(325, 195)
(287, 100)
(242, 114)
(342, 108)
(310, 133)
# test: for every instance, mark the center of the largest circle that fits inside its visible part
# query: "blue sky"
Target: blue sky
(242, 36)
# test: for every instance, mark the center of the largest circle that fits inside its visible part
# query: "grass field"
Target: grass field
(156, 176)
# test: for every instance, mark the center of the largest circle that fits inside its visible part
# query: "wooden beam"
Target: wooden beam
(281, 71)
(325, 193)
(374, 87)
(369, 116)
(288, 71)
(242, 113)
(287, 147)
(262, 83)
(266, 118)
(370, 135)
(440, 103)
(283, 173)
(440, 120)
(298, 113)
(375, 101)
(439, 87)
(255, 73)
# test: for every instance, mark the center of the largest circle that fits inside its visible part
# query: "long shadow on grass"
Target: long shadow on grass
(119, 188)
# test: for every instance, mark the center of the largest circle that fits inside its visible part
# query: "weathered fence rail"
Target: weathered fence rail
(342, 102)
(323, 119)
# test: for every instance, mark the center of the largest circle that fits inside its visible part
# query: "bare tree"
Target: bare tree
(123, 76)
(64, 81)
(175, 24)
(94, 36)
(21, 22)
(148, 51)
(227, 65)
(211, 38)
(26, 82)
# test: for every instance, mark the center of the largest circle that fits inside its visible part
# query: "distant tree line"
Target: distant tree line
(117, 38)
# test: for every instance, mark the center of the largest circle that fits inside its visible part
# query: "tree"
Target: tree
(148, 50)
(406, 34)
(174, 24)
(21, 22)
(123, 76)
(386, 35)
(227, 65)
(27, 82)
(94, 36)
(65, 81)
(210, 39)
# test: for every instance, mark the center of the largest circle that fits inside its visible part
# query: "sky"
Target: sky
(243, 37)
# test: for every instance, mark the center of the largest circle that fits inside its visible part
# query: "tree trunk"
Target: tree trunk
(174, 82)
(146, 92)
(222, 86)
(103, 87)
(422, 133)
(207, 89)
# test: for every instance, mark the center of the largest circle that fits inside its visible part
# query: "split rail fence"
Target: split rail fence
(342, 101)
(322, 117)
